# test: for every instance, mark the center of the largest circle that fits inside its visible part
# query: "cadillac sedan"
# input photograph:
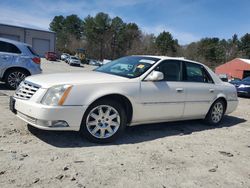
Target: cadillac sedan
(125, 92)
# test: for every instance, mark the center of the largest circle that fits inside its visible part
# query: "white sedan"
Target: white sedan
(73, 60)
(125, 92)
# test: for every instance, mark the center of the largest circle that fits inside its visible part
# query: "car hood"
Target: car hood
(83, 77)
(245, 82)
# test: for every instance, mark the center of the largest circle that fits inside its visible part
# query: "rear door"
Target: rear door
(200, 90)
(7, 53)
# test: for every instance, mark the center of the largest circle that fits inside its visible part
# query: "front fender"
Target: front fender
(88, 93)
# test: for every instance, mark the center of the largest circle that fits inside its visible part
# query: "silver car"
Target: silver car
(73, 60)
(17, 61)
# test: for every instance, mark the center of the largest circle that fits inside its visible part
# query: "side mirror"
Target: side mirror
(155, 76)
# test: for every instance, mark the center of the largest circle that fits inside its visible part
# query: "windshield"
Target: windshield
(74, 58)
(246, 79)
(129, 67)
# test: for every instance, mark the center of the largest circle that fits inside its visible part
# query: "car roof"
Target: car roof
(169, 58)
(13, 42)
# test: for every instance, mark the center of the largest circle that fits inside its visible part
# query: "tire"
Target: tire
(105, 125)
(216, 112)
(14, 77)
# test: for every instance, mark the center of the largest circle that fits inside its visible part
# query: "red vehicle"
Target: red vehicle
(51, 56)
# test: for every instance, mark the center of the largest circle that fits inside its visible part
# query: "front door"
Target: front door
(164, 100)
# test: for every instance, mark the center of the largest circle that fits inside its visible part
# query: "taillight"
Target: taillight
(36, 60)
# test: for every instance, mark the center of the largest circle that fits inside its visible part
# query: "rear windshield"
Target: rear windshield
(32, 51)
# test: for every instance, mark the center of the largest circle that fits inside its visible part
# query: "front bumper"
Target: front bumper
(243, 92)
(41, 116)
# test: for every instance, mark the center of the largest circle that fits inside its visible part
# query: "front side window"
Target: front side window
(197, 73)
(9, 48)
(171, 70)
(129, 67)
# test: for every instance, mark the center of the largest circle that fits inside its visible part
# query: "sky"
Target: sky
(187, 20)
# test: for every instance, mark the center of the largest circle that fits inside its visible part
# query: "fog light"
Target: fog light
(54, 123)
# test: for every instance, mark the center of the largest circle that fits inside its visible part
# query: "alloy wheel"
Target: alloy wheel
(217, 112)
(103, 121)
(15, 78)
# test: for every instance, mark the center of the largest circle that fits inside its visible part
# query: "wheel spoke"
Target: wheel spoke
(109, 129)
(102, 133)
(113, 116)
(107, 113)
(112, 123)
(95, 130)
(95, 116)
(92, 123)
(100, 111)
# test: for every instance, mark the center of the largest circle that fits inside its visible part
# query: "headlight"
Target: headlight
(244, 86)
(56, 95)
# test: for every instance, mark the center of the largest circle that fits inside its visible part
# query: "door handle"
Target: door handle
(179, 90)
(211, 90)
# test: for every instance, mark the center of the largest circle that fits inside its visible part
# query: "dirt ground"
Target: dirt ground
(178, 154)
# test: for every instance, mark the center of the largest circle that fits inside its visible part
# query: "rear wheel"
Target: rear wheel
(14, 77)
(216, 112)
(104, 121)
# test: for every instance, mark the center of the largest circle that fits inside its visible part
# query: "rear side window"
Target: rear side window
(171, 70)
(32, 51)
(9, 48)
(197, 73)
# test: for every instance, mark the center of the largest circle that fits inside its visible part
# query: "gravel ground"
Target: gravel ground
(179, 154)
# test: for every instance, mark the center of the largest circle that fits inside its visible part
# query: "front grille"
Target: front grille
(26, 90)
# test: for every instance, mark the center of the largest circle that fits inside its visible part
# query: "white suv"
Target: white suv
(17, 61)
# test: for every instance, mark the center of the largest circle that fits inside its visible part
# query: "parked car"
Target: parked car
(17, 61)
(223, 77)
(128, 91)
(64, 56)
(74, 61)
(105, 61)
(242, 86)
(67, 59)
(94, 62)
(51, 56)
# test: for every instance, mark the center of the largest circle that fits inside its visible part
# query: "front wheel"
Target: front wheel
(103, 121)
(216, 112)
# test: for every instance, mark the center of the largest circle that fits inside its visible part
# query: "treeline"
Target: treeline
(104, 37)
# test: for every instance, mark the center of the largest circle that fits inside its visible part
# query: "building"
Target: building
(42, 41)
(237, 68)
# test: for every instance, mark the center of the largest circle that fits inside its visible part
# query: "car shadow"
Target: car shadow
(134, 134)
(82, 66)
(3, 86)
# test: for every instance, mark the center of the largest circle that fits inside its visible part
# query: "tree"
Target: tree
(244, 45)
(166, 44)
(96, 31)
(106, 37)
(57, 24)
(73, 25)
(118, 36)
